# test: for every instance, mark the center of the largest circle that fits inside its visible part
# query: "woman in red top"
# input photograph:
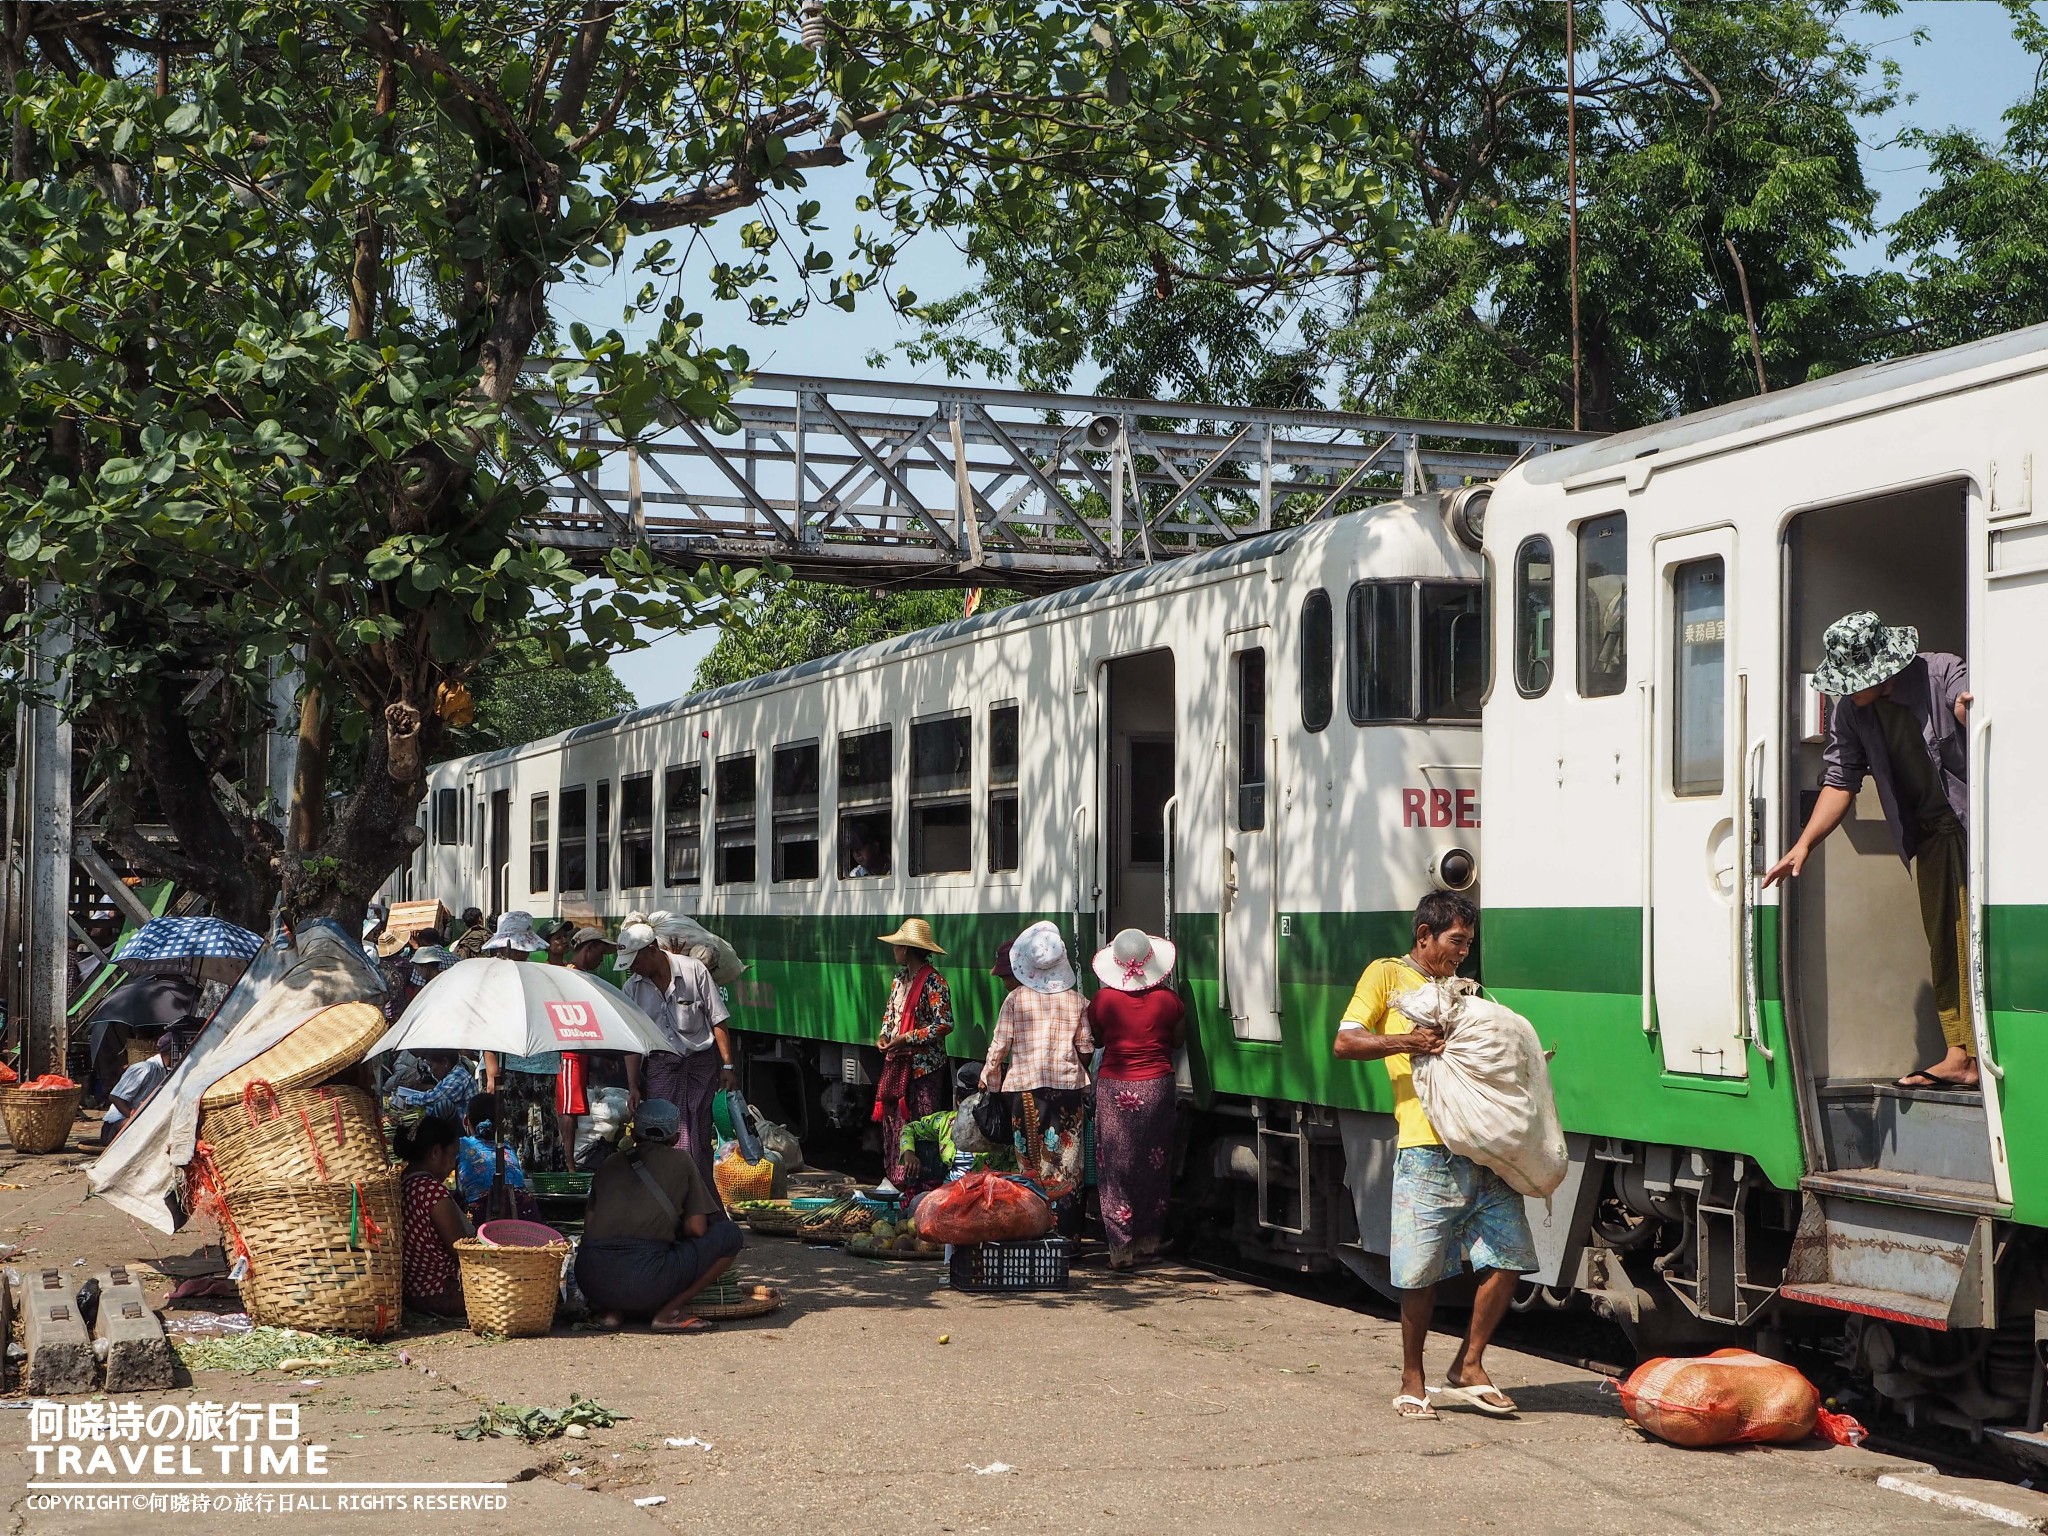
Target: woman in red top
(433, 1222)
(1139, 1022)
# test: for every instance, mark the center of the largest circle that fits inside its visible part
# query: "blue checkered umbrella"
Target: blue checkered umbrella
(210, 946)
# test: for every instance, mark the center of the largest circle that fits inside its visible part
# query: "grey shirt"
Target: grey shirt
(1928, 689)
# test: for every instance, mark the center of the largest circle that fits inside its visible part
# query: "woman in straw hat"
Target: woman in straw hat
(915, 1023)
(1139, 1021)
(1039, 1058)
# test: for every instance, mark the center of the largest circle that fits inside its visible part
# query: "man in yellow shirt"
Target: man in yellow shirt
(1449, 1212)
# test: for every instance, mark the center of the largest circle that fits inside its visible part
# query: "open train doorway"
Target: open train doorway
(1857, 974)
(1139, 758)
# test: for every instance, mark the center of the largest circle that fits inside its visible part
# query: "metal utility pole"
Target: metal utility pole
(46, 1034)
(1571, 184)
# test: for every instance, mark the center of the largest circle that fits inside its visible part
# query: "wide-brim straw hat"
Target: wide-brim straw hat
(915, 933)
(515, 931)
(1861, 651)
(1038, 959)
(1134, 960)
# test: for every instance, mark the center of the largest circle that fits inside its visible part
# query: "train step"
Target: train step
(1902, 1247)
(1883, 1127)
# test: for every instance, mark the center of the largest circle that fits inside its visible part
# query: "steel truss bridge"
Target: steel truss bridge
(881, 483)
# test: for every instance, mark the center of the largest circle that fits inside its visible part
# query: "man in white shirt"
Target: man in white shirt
(137, 1084)
(693, 1015)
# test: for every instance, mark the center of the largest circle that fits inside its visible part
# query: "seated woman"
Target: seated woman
(434, 1223)
(476, 1165)
(653, 1235)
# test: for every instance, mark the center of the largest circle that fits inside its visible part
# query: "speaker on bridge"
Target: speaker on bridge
(1103, 431)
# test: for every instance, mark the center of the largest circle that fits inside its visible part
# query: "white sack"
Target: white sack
(726, 966)
(1488, 1093)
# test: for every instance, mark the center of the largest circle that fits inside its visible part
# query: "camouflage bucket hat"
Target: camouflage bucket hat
(1861, 651)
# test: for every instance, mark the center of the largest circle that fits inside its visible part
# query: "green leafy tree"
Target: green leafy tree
(522, 696)
(1975, 248)
(279, 281)
(1720, 186)
(786, 623)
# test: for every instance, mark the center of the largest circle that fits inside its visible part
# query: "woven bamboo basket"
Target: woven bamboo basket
(731, 1301)
(326, 1043)
(296, 1136)
(39, 1119)
(511, 1290)
(322, 1257)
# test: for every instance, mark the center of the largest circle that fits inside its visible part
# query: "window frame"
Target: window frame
(779, 817)
(1698, 789)
(948, 797)
(674, 778)
(448, 817)
(601, 836)
(563, 845)
(865, 806)
(722, 824)
(1406, 587)
(1519, 587)
(1001, 791)
(1475, 609)
(539, 843)
(1326, 674)
(1243, 810)
(632, 842)
(1582, 533)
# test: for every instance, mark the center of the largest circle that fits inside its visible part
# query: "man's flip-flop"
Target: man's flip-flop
(1487, 1399)
(1408, 1406)
(686, 1325)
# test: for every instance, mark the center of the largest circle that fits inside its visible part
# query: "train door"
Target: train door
(1696, 809)
(1138, 758)
(1250, 920)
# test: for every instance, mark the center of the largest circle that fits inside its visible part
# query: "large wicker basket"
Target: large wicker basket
(39, 1119)
(296, 1136)
(511, 1291)
(329, 1041)
(322, 1257)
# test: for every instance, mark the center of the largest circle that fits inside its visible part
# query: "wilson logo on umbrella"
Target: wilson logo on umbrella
(574, 1021)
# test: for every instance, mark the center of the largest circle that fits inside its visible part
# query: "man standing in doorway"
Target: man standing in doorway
(1899, 716)
(1450, 1214)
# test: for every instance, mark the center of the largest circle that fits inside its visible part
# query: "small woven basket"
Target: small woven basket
(774, 1222)
(296, 1136)
(734, 1301)
(322, 1257)
(39, 1119)
(511, 1291)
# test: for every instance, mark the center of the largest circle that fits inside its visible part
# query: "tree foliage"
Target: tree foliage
(522, 696)
(279, 285)
(1719, 181)
(786, 623)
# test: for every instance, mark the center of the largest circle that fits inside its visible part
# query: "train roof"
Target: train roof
(1869, 381)
(1122, 584)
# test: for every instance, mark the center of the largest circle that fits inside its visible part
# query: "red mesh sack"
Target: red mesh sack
(982, 1208)
(1721, 1399)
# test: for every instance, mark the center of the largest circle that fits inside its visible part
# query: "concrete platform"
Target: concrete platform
(879, 1402)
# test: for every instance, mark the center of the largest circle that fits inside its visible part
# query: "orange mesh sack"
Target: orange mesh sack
(1721, 1399)
(982, 1208)
(739, 1179)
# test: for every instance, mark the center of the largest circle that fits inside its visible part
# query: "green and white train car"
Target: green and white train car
(1272, 750)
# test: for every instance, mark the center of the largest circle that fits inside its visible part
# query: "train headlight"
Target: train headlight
(1465, 511)
(1454, 869)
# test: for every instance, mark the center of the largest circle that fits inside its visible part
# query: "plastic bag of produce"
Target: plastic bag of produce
(982, 1208)
(1721, 1399)
(1488, 1093)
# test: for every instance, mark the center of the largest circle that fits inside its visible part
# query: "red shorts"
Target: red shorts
(570, 1098)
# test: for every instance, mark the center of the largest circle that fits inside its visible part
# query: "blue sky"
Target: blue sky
(1965, 72)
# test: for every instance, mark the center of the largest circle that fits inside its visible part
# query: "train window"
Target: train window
(796, 811)
(1251, 741)
(1535, 617)
(1003, 828)
(941, 787)
(601, 854)
(572, 841)
(537, 844)
(636, 832)
(1453, 657)
(866, 831)
(682, 825)
(476, 832)
(735, 786)
(1318, 660)
(448, 817)
(1603, 605)
(1382, 660)
(1699, 670)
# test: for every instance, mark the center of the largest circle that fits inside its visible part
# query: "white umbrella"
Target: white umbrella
(518, 1008)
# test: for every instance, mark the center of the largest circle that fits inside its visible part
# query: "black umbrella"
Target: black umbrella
(147, 1005)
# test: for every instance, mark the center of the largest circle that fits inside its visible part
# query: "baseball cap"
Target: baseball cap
(657, 1120)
